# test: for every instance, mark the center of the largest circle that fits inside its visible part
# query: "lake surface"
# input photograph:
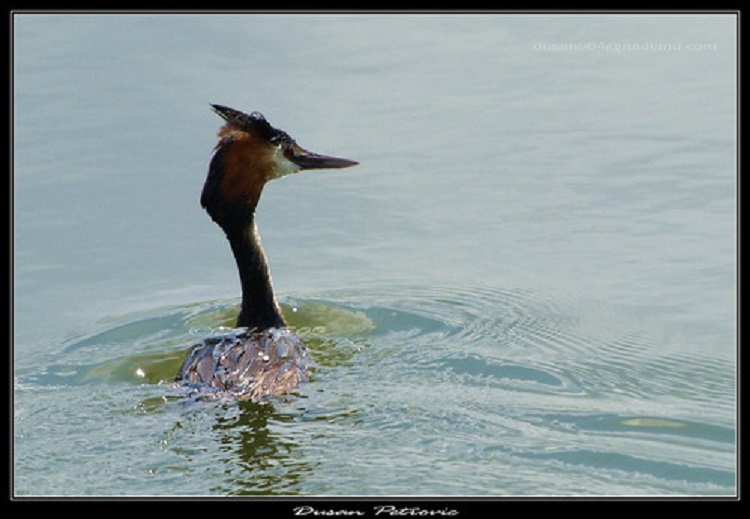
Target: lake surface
(526, 288)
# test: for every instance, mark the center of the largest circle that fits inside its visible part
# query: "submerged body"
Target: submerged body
(242, 364)
(260, 358)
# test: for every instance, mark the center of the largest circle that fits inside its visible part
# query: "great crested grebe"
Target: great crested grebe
(261, 358)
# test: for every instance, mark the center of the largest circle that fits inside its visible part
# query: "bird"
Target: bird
(261, 358)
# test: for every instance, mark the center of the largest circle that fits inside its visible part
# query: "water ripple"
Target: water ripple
(481, 382)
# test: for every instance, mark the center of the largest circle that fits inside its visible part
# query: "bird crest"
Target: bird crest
(254, 123)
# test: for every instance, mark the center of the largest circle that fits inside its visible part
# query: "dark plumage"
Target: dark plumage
(261, 358)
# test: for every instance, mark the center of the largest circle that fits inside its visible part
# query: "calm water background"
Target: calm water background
(526, 288)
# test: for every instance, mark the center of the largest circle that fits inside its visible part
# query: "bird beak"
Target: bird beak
(308, 160)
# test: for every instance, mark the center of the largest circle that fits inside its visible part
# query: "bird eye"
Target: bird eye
(288, 153)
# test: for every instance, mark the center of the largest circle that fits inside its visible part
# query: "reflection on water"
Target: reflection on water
(419, 385)
(263, 461)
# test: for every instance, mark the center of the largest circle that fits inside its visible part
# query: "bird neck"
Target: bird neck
(230, 196)
(260, 309)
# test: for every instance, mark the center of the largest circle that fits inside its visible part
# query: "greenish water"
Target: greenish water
(527, 287)
(409, 394)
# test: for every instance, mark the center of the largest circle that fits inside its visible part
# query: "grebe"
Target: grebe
(261, 358)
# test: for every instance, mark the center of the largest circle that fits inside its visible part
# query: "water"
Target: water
(527, 287)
